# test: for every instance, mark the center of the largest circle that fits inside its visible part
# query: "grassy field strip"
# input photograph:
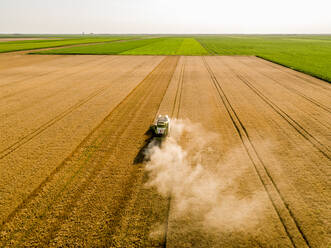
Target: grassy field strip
(306, 54)
(310, 54)
(318, 67)
(170, 46)
(154, 46)
(63, 36)
(107, 48)
(275, 37)
(307, 40)
(191, 46)
(29, 41)
(167, 46)
(11, 46)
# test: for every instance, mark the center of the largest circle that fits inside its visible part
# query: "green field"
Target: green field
(191, 47)
(155, 46)
(170, 46)
(10, 46)
(310, 54)
(307, 53)
(105, 48)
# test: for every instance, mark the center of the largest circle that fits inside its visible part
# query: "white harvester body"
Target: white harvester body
(162, 126)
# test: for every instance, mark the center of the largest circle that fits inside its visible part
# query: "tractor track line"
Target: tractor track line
(88, 155)
(105, 146)
(293, 90)
(263, 173)
(178, 96)
(174, 113)
(123, 205)
(286, 70)
(89, 159)
(124, 200)
(54, 120)
(301, 130)
(39, 189)
(33, 87)
(108, 142)
(309, 99)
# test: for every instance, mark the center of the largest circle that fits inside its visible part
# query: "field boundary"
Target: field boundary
(295, 69)
(96, 54)
(301, 130)
(35, 51)
(322, 106)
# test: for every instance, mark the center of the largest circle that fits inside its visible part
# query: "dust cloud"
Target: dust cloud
(205, 184)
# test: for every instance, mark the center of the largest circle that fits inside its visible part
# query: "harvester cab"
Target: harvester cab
(162, 126)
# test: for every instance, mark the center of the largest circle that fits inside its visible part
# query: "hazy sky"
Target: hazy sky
(165, 16)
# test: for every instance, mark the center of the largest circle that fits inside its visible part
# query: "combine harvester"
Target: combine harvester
(161, 127)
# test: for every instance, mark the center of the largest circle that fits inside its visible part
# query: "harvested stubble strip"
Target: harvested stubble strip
(27, 167)
(82, 202)
(295, 164)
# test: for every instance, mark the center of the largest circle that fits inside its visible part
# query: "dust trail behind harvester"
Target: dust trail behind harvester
(190, 167)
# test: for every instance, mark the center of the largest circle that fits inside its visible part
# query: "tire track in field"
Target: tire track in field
(313, 101)
(300, 129)
(102, 148)
(57, 169)
(174, 114)
(132, 106)
(129, 190)
(134, 225)
(285, 215)
(286, 70)
(178, 97)
(5, 152)
(88, 152)
(118, 213)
